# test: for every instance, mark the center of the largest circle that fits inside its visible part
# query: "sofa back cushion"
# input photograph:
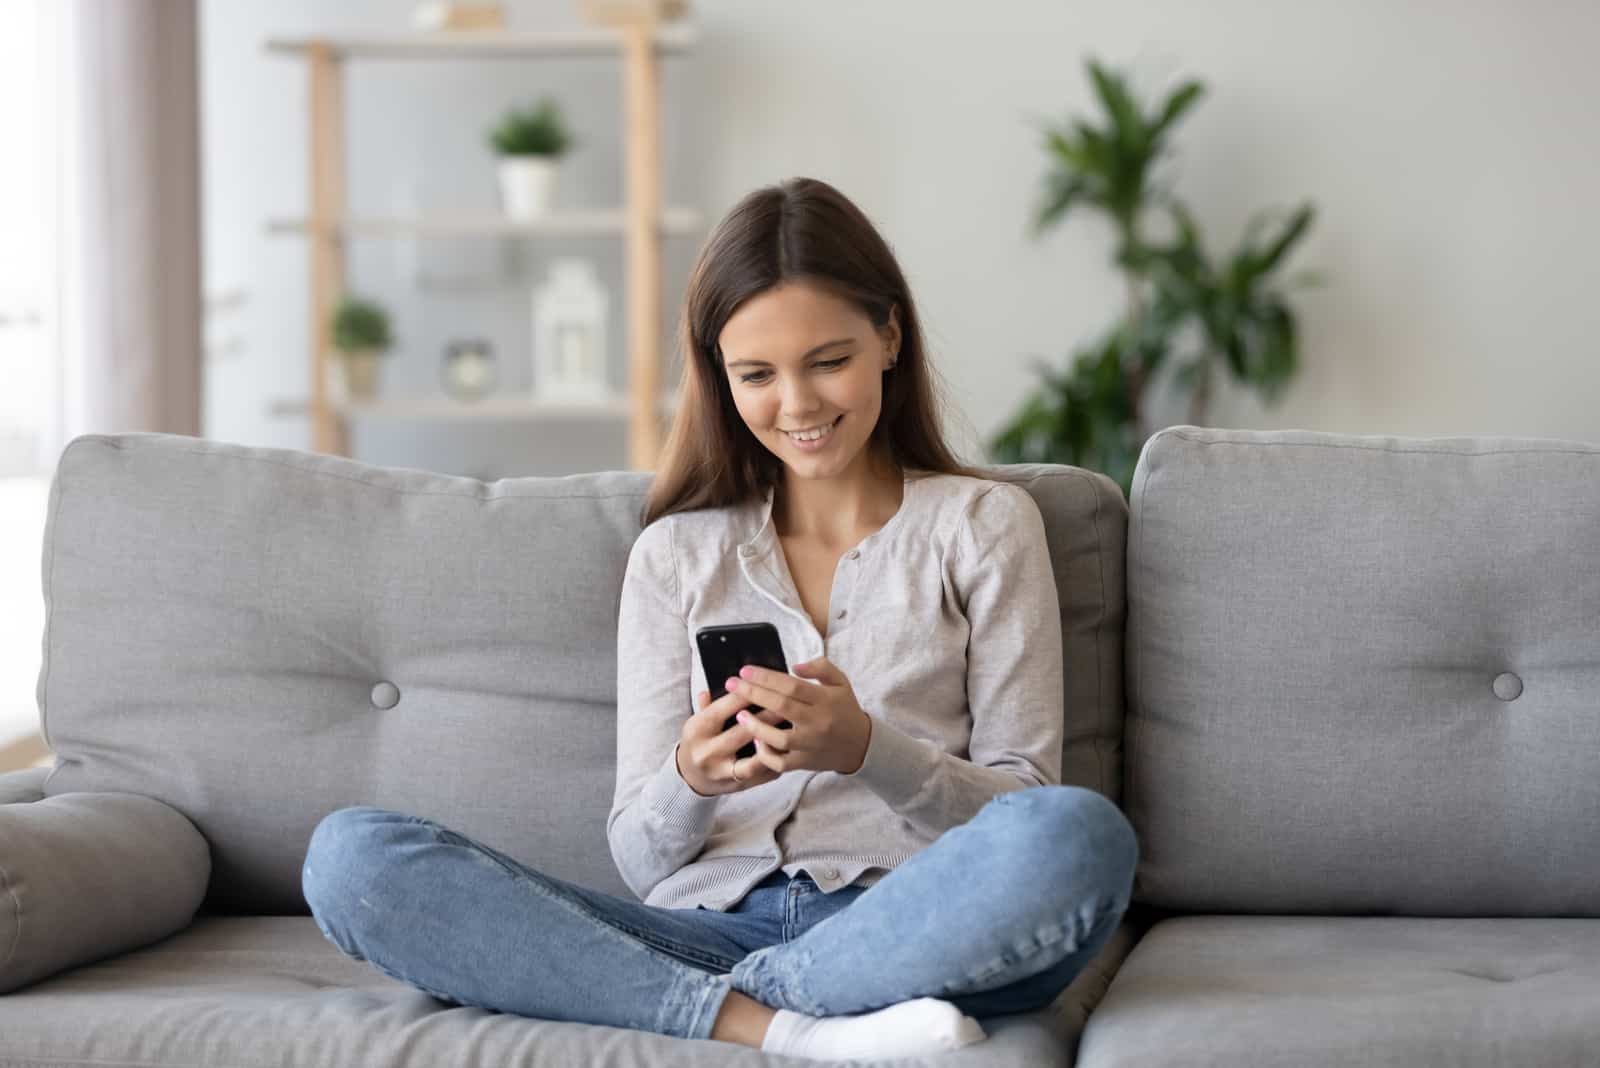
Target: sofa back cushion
(1362, 674)
(259, 636)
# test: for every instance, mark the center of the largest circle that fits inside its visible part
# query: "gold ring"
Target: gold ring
(733, 767)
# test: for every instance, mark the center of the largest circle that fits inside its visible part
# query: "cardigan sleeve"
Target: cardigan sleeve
(657, 823)
(1015, 683)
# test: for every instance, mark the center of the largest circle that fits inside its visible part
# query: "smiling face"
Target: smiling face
(797, 357)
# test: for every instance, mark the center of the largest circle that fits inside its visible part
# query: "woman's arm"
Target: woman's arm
(1015, 682)
(657, 823)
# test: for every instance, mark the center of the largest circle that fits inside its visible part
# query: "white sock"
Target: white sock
(922, 1025)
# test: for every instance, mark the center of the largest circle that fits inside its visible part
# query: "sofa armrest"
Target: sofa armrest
(26, 784)
(84, 876)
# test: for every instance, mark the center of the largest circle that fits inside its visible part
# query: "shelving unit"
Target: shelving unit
(641, 221)
(496, 406)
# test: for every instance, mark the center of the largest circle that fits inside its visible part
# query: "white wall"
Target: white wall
(1449, 149)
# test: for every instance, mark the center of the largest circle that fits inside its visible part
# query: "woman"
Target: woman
(899, 859)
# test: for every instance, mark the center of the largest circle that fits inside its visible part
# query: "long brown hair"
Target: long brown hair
(801, 229)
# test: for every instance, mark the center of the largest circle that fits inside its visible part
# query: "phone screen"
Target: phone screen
(726, 649)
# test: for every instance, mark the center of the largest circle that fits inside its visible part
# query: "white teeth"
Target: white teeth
(813, 435)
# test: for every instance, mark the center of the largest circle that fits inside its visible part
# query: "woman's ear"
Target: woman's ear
(891, 337)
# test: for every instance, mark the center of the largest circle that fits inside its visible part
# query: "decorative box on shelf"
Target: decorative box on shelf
(459, 17)
(610, 12)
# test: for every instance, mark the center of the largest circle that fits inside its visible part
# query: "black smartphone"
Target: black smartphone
(724, 650)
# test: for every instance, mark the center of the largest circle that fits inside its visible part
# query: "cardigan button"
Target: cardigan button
(385, 695)
(853, 553)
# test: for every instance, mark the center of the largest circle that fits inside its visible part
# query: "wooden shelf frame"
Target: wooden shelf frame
(487, 44)
(673, 221)
(496, 406)
(642, 222)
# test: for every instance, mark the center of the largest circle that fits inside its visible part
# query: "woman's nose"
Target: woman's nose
(799, 400)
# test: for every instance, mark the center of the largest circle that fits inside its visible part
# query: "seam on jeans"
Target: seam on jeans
(666, 946)
(1004, 960)
(413, 983)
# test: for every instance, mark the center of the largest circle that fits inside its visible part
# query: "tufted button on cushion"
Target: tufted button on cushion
(386, 695)
(1507, 686)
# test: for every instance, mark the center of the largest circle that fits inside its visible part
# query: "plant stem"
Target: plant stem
(1201, 395)
(1137, 374)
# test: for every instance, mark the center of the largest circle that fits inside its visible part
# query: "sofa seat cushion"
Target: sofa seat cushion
(1309, 991)
(254, 991)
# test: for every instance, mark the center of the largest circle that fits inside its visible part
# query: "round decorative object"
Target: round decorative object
(1507, 686)
(468, 371)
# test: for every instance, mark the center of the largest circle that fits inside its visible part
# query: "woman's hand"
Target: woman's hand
(706, 752)
(830, 731)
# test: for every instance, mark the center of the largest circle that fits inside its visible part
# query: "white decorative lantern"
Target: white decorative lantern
(569, 335)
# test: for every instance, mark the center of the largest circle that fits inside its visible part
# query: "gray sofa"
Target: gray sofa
(1347, 690)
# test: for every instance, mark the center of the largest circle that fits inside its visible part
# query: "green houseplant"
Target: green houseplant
(1182, 305)
(530, 143)
(360, 334)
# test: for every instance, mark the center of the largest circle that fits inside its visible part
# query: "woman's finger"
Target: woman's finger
(776, 737)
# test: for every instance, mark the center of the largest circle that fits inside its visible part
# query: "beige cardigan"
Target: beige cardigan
(945, 621)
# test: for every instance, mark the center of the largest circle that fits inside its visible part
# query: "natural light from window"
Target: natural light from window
(27, 363)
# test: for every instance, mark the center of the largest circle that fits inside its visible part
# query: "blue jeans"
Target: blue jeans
(996, 915)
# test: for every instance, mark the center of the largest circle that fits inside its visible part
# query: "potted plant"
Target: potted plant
(361, 335)
(530, 142)
(1185, 306)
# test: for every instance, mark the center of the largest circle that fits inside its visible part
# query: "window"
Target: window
(27, 240)
(29, 366)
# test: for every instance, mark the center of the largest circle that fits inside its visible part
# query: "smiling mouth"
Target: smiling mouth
(827, 427)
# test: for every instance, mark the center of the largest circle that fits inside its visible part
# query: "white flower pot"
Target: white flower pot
(353, 375)
(527, 184)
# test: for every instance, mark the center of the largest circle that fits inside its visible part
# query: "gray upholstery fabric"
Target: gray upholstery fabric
(238, 991)
(1368, 991)
(26, 784)
(1362, 674)
(260, 636)
(85, 876)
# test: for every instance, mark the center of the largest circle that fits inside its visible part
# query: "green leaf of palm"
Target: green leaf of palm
(1292, 233)
(1061, 191)
(1182, 99)
(1127, 123)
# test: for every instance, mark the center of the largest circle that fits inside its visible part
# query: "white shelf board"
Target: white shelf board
(484, 43)
(672, 221)
(523, 405)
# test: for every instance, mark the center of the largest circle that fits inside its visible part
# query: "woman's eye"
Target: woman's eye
(825, 363)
